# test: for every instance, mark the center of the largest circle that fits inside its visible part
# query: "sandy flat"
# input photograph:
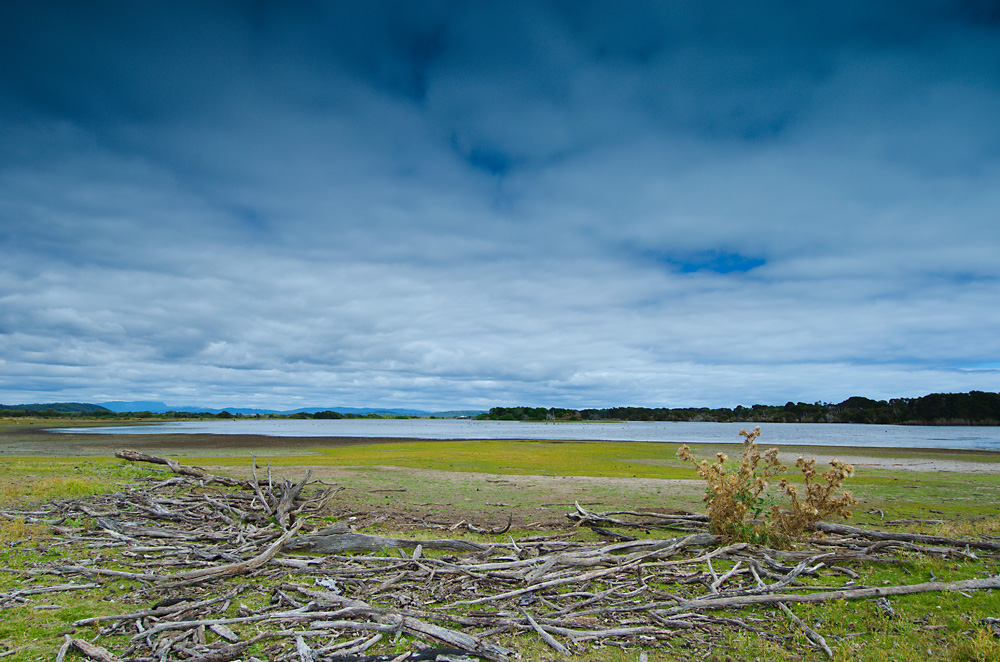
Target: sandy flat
(862, 462)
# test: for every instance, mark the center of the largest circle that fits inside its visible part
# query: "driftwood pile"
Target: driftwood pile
(219, 569)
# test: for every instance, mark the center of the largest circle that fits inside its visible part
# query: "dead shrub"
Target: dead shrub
(821, 499)
(732, 496)
(740, 507)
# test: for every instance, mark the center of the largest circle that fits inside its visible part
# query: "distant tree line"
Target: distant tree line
(973, 408)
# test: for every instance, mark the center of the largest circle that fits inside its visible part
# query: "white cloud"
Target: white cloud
(496, 207)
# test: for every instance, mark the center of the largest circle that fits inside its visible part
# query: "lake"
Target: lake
(815, 434)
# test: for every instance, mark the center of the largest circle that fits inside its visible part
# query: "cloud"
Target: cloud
(453, 204)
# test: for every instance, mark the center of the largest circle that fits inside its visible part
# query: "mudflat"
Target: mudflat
(38, 439)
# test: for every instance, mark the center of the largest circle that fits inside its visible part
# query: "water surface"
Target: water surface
(807, 434)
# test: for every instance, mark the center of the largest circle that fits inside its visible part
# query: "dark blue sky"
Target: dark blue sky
(451, 204)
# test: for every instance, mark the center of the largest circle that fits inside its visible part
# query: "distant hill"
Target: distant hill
(120, 406)
(157, 407)
(61, 407)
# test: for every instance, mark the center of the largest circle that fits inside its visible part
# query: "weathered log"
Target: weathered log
(157, 611)
(584, 517)
(610, 633)
(304, 651)
(224, 653)
(453, 637)
(93, 651)
(845, 530)
(301, 615)
(811, 634)
(58, 588)
(823, 596)
(339, 538)
(289, 493)
(102, 572)
(175, 466)
(546, 637)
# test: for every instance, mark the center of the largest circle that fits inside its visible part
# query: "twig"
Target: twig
(255, 484)
(811, 634)
(546, 637)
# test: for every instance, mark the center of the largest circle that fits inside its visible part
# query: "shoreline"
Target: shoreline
(323, 433)
(224, 439)
(38, 441)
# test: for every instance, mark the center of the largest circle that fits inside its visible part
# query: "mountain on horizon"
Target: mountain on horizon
(157, 407)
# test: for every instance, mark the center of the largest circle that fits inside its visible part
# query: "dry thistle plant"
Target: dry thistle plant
(734, 496)
(821, 501)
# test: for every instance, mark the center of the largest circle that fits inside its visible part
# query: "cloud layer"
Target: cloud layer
(469, 204)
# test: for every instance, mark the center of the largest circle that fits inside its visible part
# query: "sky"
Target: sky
(449, 205)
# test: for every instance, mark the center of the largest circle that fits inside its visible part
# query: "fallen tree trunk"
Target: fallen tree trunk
(339, 538)
(823, 596)
(845, 530)
(175, 466)
(93, 651)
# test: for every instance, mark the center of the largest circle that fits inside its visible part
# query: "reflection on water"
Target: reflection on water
(891, 436)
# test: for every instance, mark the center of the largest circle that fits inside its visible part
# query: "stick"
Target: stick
(175, 466)
(459, 639)
(162, 611)
(83, 570)
(811, 634)
(93, 651)
(58, 588)
(546, 637)
(594, 574)
(722, 579)
(855, 594)
(845, 530)
(218, 572)
(255, 484)
(61, 655)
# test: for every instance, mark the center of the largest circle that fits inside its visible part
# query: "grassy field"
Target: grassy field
(536, 483)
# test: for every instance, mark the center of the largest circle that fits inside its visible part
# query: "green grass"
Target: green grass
(38, 480)
(939, 626)
(514, 457)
